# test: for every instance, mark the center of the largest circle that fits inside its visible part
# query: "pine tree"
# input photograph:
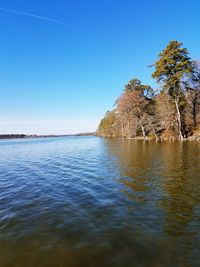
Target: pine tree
(170, 69)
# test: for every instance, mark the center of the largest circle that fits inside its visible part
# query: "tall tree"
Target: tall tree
(192, 84)
(131, 106)
(170, 69)
(166, 116)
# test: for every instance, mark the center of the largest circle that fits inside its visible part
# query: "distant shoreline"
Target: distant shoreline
(25, 136)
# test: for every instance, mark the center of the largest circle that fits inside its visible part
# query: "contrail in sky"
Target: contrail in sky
(37, 17)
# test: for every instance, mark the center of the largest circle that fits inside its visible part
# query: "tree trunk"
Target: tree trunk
(122, 130)
(155, 135)
(195, 111)
(129, 131)
(179, 120)
(143, 131)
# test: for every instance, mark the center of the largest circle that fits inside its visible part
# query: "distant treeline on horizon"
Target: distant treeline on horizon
(15, 136)
(172, 112)
(10, 136)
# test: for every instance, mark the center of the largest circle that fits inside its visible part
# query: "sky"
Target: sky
(63, 63)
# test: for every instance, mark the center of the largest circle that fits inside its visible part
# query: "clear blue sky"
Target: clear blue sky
(62, 77)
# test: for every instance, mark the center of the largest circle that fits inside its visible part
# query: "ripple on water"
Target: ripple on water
(87, 201)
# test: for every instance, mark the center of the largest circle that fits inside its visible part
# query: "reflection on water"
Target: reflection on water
(88, 201)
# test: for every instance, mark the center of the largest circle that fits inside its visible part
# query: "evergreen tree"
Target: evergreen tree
(136, 85)
(170, 69)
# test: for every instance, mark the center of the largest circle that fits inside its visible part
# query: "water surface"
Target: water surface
(92, 202)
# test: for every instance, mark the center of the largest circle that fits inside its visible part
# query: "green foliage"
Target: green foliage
(170, 69)
(173, 64)
(109, 125)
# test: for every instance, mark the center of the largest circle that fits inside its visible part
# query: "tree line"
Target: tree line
(172, 112)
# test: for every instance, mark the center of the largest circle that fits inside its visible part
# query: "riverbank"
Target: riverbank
(195, 137)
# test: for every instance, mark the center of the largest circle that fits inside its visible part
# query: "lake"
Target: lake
(91, 202)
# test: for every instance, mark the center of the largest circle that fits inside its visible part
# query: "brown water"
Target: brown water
(91, 202)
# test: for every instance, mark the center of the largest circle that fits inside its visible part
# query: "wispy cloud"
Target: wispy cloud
(37, 17)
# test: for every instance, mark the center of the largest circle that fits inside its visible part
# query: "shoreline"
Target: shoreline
(24, 136)
(140, 138)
